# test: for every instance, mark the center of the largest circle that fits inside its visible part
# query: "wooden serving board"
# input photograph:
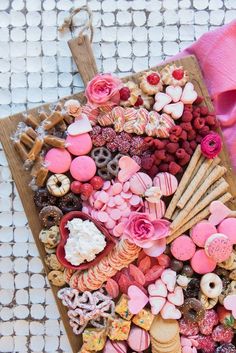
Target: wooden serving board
(22, 177)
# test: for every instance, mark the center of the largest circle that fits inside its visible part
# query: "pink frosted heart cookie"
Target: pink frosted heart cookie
(58, 160)
(155, 210)
(174, 92)
(201, 263)
(80, 126)
(174, 109)
(128, 167)
(218, 212)
(228, 227)
(139, 183)
(183, 248)
(137, 299)
(79, 145)
(157, 289)
(166, 182)
(201, 232)
(83, 168)
(161, 99)
(229, 303)
(170, 312)
(168, 276)
(139, 339)
(115, 347)
(177, 297)
(218, 247)
(189, 95)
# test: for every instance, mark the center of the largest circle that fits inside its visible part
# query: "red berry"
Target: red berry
(183, 135)
(196, 114)
(139, 101)
(124, 93)
(185, 145)
(97, 182)
(176, 130)
(163, 167)
(174, 138)
(186, 126)
(178, 74)
(153, 79)
(187, 116)
(182, 162)
(197, 110)
(180, 153)
(159, 144)
(199, 100)
(191, 135)
(174, 168)
(204, 131)
(153, 171)
(188, 107)
(86, 190)
(169, 158)
(160, 154)
(198, 123)
(75, 187)
(210, 120)
(193, 144)
(147, 162)
(172, 147)
(157, 161)
(198, 138)
(189, 151)
(204, 111)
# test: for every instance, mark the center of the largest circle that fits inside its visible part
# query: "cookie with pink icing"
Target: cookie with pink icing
(166, 182)
(58, 160)
(201, 263)
(201, 232)
(228, 227)
(79, 145)
(83, 168)
(155, 210)
(139, 339)
(115, 347)
(183, 248)
(139, 183)
(218, 247)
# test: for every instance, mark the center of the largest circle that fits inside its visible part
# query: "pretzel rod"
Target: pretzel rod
(188, 193)
(26, 140)
(31, 133)
(216, 173)
(52, 120)
(183, 182)
(175, 214)
(21, 150)
(199, 217)
(220, 187)
(198, 165)
(215, 162)
(35, 150)
(31, 121)
(54, 141)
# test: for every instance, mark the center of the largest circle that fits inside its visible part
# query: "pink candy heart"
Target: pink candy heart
(157, 303)
(174, 109)
(230, 304)
(161, 99)
(218, 212)
(128, 167)
(137, 299)
(169, 278)
(174, 92)
(169, 311)
(189, 95)
(158, 289)
(177, 297)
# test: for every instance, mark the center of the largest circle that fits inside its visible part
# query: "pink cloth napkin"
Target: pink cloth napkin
(216, 54)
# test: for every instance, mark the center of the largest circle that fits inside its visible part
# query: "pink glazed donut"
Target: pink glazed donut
(83, 168)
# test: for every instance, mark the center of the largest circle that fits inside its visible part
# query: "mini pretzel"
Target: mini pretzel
(101, 156)
(104, 174)
(113, 165)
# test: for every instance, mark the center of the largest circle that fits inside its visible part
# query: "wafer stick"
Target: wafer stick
(194, 183)
(184, 181)
(198, 165)
(199, 217)
(216, 173)
(215, 162)
(54, 119)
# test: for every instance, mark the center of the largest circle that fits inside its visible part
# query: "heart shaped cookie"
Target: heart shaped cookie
(177, 297)
(158, 289)
(137, 299)
(174, 92)
(161, 100)
(157, 303)
(189, 95)
(128, 167)
(218, 212)
(169, 311)
(230, 304)
(174, 109)
(169, 278)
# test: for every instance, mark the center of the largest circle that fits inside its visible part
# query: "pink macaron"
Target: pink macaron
(79, 145)
(218, 247)
(139, 339)
(83, 168)
(166, 182)
(183, 248)
(201, 263)
(58, 160)
(201, 231)
(228, 227)
(139, 183)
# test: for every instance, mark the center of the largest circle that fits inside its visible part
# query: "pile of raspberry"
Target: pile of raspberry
(173, 153)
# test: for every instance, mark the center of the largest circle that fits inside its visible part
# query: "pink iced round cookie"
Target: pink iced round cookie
(79, 145)
(58, 160)
(166, 182)
(83, 168)
(201, 232)
(115, 347)
(155, 210)
(201, 263)
(138, 339)
(139, 183)
(183, 248)
(218, 247)
(228, 227)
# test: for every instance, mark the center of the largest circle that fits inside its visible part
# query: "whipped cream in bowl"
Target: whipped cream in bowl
(84, 241)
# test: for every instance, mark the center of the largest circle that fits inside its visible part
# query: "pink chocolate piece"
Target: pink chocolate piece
(119, 229)
(201, 232)
(166, 182)
(79, 145)
(116, 188)
(118, 200)
(139, 339)
(228, 227)
(115, 214)
(110, 224)
(155, 210)
(106, 185)
(139, 183)
(218, 247)
(135, 200)
(102, 216)
(83, 168)
(115, 347)
(58, 160)
(126, 186)
(201, 263)
(103, 196)
(183, 248)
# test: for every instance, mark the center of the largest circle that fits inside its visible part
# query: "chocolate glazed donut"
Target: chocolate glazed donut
(42, 198)
(70, 202)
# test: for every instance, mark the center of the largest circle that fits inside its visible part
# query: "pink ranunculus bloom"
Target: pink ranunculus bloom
(211, 145)
(73, 107)
(102, 90)
(147, 233)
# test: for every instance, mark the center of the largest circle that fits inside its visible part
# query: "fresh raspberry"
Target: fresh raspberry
(198, 123)
(182, 162)
(185, 145)
(108, 134)
(172, 147)
(193, 144)
(198, 138)
(204, 111)
(176, 130)
(137, 159)
(124, 93)
(98, 141)
(169, 158)
(180, 153)
(196, 114)
(125, 136)
(188, 328)
(188, 107)
(222, 334)
(147, 162)
(160, 154)
(174, 138)
(153, 79)
(159, 144)
(183, 135)
(208, 322)
(164, 167)
(178, 74)
(186, 126)
(174, 168)
(149, 141)
(153, 171)
(111, 146)
(204, 131)
(187, 116)
(197, 110)
(210, 120)
(205, 343)
(192, 135)
(199, 100)
(139, 101)
(189, 151)
(226, 348)
(157, 161)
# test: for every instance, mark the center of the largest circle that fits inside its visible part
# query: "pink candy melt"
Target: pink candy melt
(201, 232)
(228, 227)
(83, 168)
(58, 160)
(139, 339)
(79, 145)
(201, 263)
(183, 248)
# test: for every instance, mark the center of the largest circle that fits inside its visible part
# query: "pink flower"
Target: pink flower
(73, 107)
(102, 90)
(146, 233)
(211, 145)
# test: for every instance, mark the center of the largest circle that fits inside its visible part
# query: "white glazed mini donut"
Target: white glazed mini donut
(58, 185)
(211, 285)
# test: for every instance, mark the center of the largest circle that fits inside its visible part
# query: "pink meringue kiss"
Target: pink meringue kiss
(211, 145)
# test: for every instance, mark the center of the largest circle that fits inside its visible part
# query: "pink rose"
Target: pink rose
(211, 145)
(103, 89)
(147, 233)
(73, 107)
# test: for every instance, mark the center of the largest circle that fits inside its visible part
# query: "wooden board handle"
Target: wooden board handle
(83, 55)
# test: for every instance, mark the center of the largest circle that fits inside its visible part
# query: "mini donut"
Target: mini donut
(70, 202)
(42, 198)
(208, 303)
(58, 185)
(211, 285)
(192, 310)
(50, 216)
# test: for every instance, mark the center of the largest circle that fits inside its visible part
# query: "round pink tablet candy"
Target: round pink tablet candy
(201, 231)
(228, 227)
(116, 188)
(166, 182)
(58, 160)
(115, 214)
(155, 210)
(218, 247)
(79, 145)
(115, 347)
(102, 216)
(139, 183)
(83, 168)
(139, 339)
(183, 248)
(201, 263)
